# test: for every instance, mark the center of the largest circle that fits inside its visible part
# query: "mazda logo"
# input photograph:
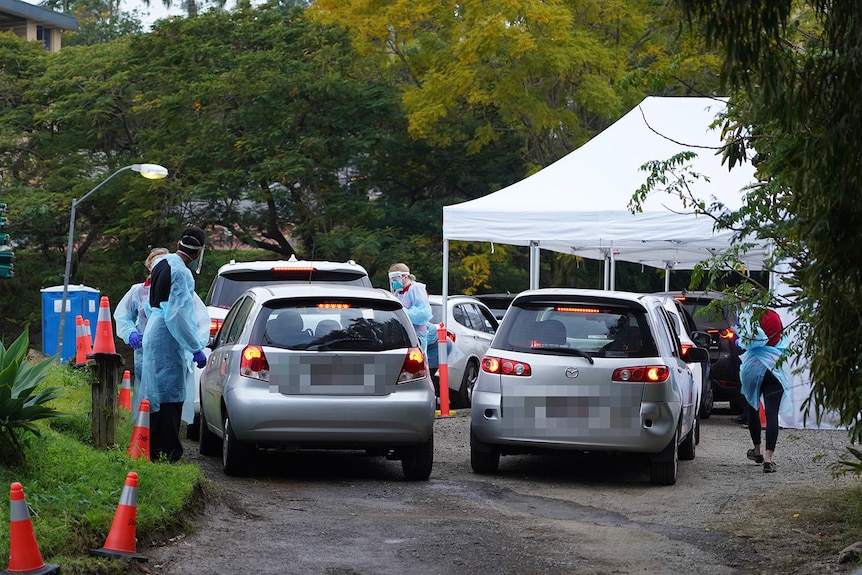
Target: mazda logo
(572, 372)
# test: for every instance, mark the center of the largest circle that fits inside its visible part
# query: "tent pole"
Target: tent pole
(667, 277)
(613, 269)
(445, 278)
(607, 271)
(535, 258)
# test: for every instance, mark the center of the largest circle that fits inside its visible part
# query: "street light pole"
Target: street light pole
(149, 171)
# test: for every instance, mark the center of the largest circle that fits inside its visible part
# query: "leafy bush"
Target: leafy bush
(21, 402)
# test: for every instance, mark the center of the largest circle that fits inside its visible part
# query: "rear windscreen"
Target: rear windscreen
(332, 326)
(227, 288)
(561, 327)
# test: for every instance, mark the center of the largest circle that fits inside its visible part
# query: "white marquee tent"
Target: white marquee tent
(580, 203)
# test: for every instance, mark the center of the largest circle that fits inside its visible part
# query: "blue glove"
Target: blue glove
(200, 359)
(135, 340)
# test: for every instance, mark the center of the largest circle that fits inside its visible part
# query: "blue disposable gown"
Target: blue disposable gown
(175, 330)
(130, 315)
(415, 302)
(758, 358)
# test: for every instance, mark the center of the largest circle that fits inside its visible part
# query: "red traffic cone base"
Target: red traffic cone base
(104, 342)
(121, 541)
(24, 555)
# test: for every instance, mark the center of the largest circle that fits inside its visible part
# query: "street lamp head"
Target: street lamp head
(151, 171)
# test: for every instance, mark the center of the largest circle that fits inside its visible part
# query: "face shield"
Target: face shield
(198, 252)
(395, 283)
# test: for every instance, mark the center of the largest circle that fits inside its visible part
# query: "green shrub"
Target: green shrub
(22, 402)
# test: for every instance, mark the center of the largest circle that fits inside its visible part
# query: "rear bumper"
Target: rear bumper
(650, 432)
(274, 419)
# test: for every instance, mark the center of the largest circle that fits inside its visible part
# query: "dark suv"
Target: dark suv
(718, 322)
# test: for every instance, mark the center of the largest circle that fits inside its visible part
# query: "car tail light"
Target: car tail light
(503, 366)
(299, 269)
(414, 366)
(642, 374)
(570, 309)
(685, 348)
(253, 363)
(333, 305)
(726, 334)
(215, 325)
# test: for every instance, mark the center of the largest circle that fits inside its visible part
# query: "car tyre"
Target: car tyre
(664, 466)
(484, 462)
(209, 443)
(687, 449)
(193, 428)
(417, 461)
(235, 453)
(465, 393)
(707, 402)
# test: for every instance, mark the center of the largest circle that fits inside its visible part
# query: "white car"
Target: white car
(234, 278)
(472, 327)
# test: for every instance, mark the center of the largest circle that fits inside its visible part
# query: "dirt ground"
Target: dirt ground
(336, 513)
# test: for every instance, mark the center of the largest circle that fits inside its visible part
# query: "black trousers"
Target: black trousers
(165, 432)
(772, 392)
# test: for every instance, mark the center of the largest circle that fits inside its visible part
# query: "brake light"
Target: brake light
(215, 325)
(577, 309)
(502, 366)
(333, 305)
(685, 348)
(641, 374)
(726, 334)
(414, 366)
(304, 269)
(253, 363)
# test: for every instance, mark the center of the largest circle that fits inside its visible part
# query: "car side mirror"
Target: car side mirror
(701, 338)
(696, 354)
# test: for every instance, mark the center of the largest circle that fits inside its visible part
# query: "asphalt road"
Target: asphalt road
(336, 513)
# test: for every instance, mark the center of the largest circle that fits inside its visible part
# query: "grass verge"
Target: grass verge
(73, 489)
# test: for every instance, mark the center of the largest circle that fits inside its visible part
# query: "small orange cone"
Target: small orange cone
(81, 347)
(104, 342)
(89, 337)
(121, 541)
(139, 444)
(762, 415)
(125, 399)
(24, 555)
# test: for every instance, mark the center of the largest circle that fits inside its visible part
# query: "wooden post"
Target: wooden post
(105, 398)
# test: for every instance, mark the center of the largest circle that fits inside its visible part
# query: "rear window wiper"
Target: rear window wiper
(565, 350)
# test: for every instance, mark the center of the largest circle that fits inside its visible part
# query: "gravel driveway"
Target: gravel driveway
(334, 513)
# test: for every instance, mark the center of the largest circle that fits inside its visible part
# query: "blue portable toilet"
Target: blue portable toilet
(80, 300)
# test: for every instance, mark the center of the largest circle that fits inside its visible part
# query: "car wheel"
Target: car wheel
(209, 443)
(417, 461)
(471, 374)
(484, 462)
(687, 448)
(707, 402)
(193, 428)
(737, 404)
(235, 453)
(664, 466)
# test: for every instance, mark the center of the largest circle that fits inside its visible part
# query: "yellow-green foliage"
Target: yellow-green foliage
(72, 489)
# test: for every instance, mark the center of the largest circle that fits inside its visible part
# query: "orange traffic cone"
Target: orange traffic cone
(140, 442)
(125, 399)
(762, 416)
(89, 337)
(121, 541)
(24, 555)
(104, 342)
(81, 347)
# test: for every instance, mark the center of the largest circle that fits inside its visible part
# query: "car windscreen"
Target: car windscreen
(592, 328)
(227, 287)
(706, 317)
(332, 324)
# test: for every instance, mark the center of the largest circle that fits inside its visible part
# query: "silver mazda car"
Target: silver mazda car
(322, 367)
(586, 370)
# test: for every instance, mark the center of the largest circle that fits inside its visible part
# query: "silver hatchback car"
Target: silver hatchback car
(587, 370)
(322, 367)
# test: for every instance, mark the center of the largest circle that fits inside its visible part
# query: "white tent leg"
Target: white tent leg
(667, 277)
(607, 272)
(535, 264)
(445, 277)
(613, 269)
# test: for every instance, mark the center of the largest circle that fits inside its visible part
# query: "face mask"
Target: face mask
(195, 264)
(396, 286)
